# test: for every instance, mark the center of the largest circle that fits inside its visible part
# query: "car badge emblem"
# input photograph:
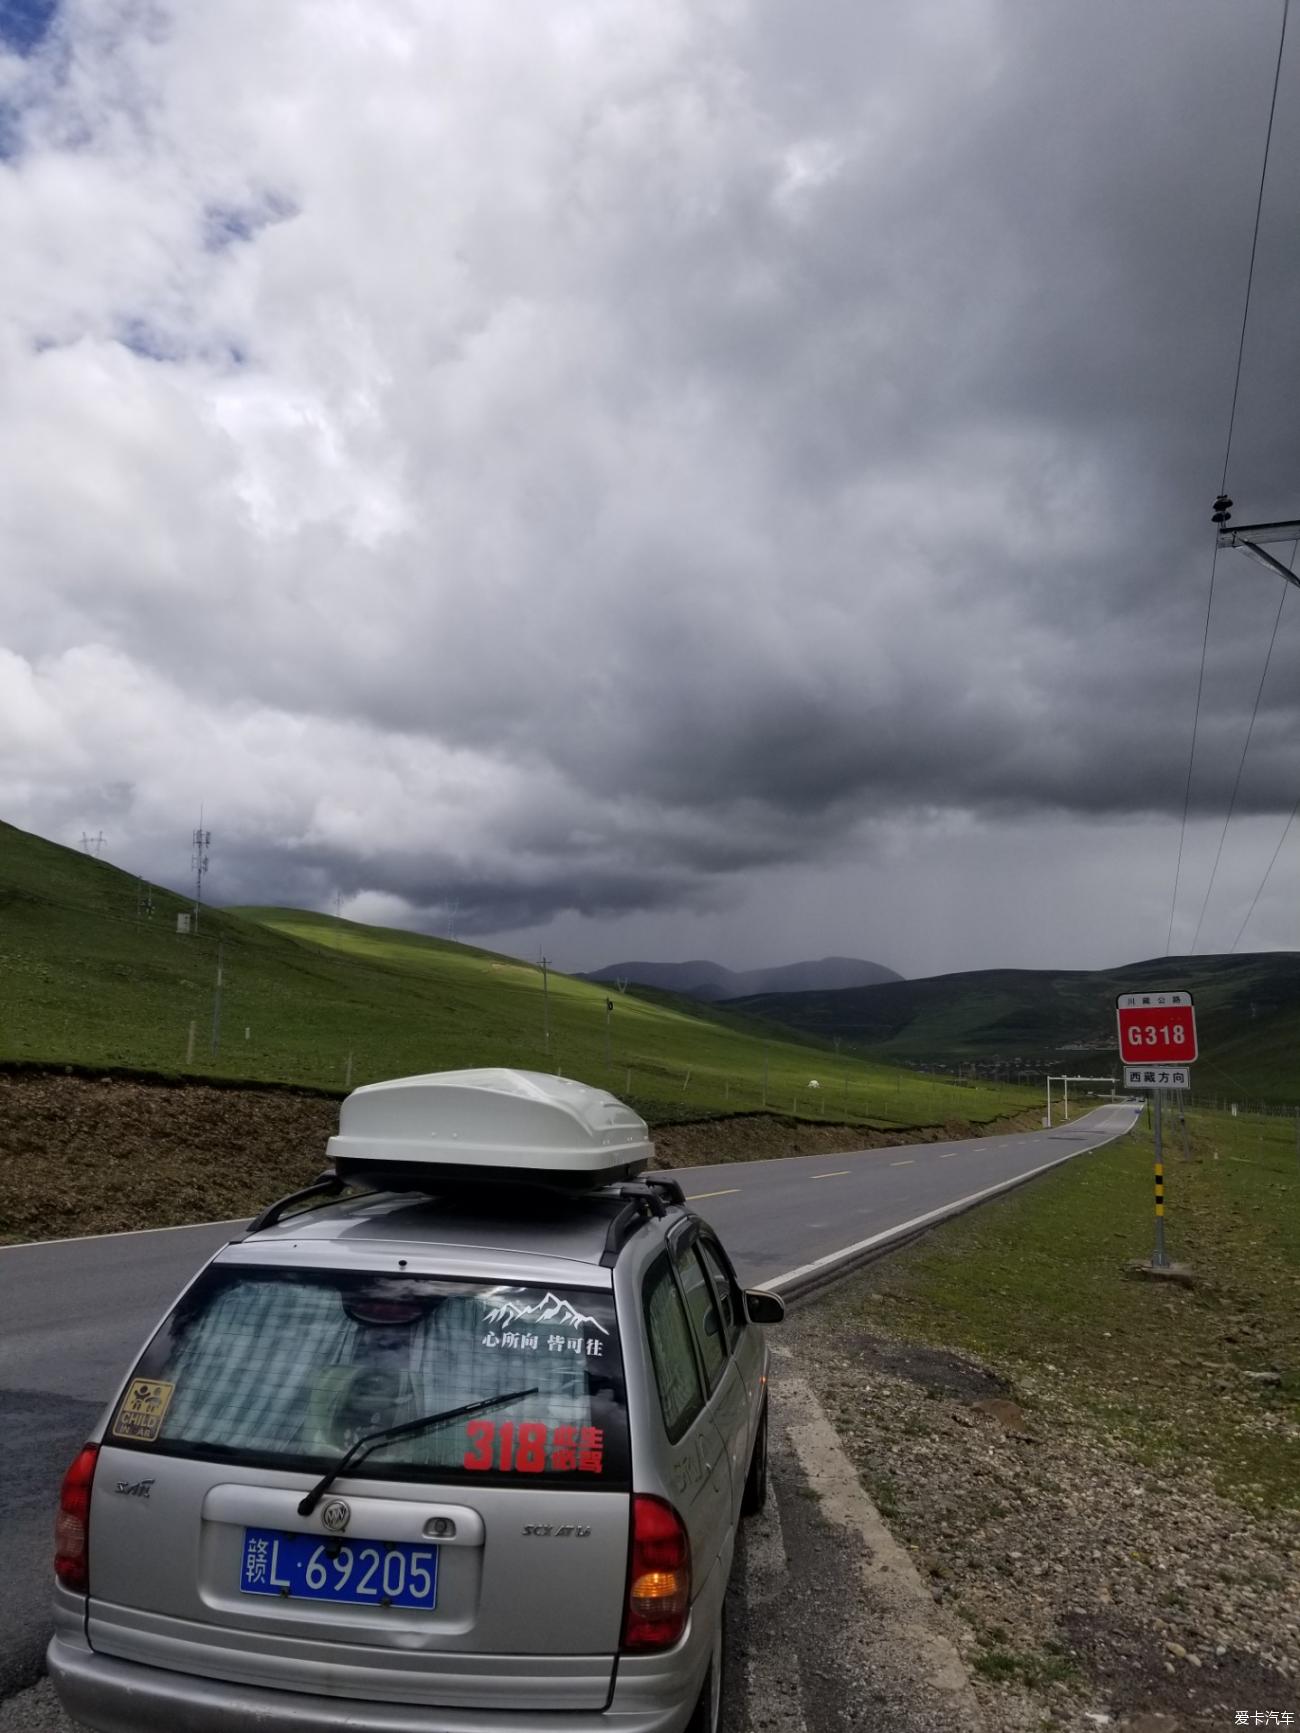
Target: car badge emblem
(336, 1515)
(136, 1489)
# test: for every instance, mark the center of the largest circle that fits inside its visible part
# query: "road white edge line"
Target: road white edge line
(901, 1229)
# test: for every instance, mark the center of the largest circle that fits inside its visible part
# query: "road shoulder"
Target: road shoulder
(831, 1624)
(1094, 1573)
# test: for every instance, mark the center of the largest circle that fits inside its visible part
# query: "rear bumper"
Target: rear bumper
(112, 1696)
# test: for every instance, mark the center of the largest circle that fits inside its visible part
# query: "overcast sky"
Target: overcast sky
(654, 477)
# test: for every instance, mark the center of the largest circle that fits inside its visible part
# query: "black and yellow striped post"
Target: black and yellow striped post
(1159, 1258)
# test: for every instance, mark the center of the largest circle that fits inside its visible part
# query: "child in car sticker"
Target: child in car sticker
(141, 1411)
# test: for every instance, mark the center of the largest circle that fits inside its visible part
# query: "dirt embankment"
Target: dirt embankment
(83, 1155)
(767, 1136)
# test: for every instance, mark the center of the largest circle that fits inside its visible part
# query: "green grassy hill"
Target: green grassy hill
(1248, 1019)
(90, 980)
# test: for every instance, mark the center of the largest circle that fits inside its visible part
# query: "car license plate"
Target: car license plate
(362, 1573)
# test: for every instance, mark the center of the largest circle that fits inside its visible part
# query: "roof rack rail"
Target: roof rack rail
(327, 1186)
(643, 1199)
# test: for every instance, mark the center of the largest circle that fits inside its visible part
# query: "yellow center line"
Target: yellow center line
(694, 1197)
(838, 1174)
(906, 1163)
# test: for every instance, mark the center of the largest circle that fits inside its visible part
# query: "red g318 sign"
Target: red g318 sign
(1156, 1028)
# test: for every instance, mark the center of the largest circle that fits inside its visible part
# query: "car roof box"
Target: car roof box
(487, 1126)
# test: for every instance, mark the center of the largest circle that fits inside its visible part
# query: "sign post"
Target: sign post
(1159, 1257)
(1157, 1043)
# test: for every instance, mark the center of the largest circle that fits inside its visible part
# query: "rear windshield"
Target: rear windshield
(288, 1368)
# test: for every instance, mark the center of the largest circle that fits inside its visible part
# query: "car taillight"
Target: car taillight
(72, 1525)
(659, 1576)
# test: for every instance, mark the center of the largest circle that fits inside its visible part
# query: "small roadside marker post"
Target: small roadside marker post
(347, 1073)
(216, 1000)
(189, 1045)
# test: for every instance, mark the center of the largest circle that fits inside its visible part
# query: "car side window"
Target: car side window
(724, 1286)
(700, 1304)
(669, 1335)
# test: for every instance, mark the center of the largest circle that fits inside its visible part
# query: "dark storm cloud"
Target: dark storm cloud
(794, 424)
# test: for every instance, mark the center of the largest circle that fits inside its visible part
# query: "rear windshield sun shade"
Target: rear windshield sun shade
(288, 1368)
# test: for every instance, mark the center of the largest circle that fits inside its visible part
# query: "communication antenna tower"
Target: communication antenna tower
(201, 841)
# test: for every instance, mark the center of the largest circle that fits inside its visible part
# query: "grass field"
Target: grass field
(1035, 1285)
(1247, 1008)
(88, 980)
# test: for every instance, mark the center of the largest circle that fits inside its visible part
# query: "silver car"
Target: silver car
(409, 1465)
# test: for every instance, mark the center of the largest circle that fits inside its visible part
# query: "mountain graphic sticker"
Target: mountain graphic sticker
(550, 1309)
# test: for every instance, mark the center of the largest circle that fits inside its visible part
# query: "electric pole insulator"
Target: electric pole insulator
(1222, 510)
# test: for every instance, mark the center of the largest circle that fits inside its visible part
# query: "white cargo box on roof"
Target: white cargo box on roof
(492, 1124)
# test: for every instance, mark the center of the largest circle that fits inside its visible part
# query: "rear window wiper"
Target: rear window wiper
(403, 1429)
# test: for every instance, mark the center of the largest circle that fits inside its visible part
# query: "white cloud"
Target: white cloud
(576, 457)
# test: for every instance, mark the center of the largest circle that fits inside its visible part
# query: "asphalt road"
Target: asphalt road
(75, 1311)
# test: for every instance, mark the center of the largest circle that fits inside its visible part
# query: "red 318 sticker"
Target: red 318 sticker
(530, 1447)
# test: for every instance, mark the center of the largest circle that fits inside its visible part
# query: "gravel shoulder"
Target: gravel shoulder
(1100, 1569)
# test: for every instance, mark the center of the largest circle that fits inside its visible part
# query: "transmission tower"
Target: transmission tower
(200, 843)
(92, 844)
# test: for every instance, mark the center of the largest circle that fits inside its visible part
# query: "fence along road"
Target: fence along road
(75, 1311)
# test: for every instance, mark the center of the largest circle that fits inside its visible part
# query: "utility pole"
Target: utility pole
(765, 1074)
(609, 1006)
(546, 1006)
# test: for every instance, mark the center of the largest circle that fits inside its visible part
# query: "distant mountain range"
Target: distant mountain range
(710, 981)
(1247, 1007)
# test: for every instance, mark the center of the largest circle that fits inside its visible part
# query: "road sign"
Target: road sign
(1157, 1077)
(1156, 1029)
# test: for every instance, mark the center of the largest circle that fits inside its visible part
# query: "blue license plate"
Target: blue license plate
(362, 1573)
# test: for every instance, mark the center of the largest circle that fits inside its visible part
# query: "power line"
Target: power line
(1267, 874)
(1227, 453)
(1254, 245)
(1191, 756)
(1241, 765)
